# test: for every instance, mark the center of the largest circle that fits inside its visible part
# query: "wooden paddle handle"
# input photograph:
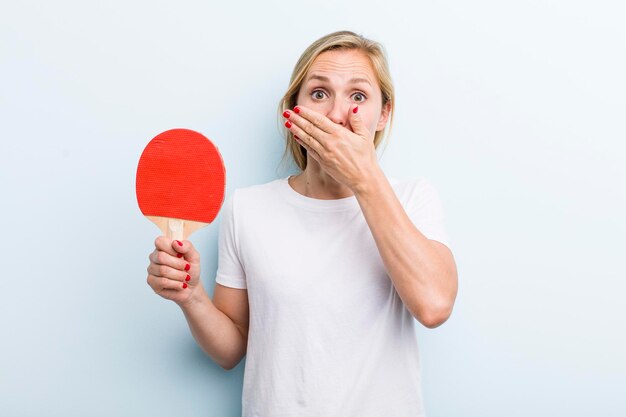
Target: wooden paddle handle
(175, 228)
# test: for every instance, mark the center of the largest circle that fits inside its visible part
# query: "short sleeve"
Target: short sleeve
(230, 272)
(425, 210)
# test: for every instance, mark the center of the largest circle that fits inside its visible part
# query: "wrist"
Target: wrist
(197, 297)
(370, 183)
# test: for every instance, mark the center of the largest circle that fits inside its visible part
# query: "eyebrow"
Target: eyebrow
(326, 79)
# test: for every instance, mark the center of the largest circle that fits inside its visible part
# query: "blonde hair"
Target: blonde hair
(333, 41)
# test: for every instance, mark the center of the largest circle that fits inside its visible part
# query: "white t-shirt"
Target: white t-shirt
(329, 335)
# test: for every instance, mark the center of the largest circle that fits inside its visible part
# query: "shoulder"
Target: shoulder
(412, 191)
(258, 192)
(253, 197)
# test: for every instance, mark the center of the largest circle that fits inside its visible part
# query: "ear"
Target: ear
(384, 116)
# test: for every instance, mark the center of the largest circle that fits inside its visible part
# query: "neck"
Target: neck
(314, 182)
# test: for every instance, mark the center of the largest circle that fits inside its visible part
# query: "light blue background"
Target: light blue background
(514, 110)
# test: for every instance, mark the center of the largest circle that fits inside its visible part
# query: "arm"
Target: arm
(423, 271)
(220, 327)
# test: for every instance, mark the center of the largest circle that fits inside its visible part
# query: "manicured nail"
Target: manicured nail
(286, 114)
(296, 136)
(179, 243)
(296, 109)
(187, 278)
(288, 124)
(179, 255)
(356, 109)
(184, 285)
(187, 267)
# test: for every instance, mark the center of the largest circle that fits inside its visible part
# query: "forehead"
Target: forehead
(343, 63)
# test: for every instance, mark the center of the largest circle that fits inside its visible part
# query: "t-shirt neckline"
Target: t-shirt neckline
(315, 204)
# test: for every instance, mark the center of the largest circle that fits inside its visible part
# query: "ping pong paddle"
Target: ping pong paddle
(180, 182)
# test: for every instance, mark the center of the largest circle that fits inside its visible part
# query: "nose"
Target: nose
(338, 112)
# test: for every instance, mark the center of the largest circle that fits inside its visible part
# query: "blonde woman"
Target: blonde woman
(321, 274)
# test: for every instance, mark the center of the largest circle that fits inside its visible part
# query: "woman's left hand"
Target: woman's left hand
(348, 156)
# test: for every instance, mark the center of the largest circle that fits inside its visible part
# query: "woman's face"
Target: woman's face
(338, 79)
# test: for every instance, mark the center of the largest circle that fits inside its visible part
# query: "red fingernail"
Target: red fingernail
(184, 285)
(296, 109)
(179, 255)
(286, 114)
(288, 124)
(296, 136)
(356, 109)
(187, 267)
(179, 243)
(187, 278)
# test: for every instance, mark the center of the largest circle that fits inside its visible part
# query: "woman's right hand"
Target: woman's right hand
(174, 270)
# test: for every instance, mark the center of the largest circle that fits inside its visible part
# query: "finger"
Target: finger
(159, 284)
(306, 139)
(357, 124)
(314, 154)
(301, 127)
(185, 248)
(164, 271)
(164, 244)
(316, 119)
(170, 294)
(163, 258)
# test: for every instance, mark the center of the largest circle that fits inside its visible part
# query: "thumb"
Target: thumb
(357, 123)
(186, 248)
